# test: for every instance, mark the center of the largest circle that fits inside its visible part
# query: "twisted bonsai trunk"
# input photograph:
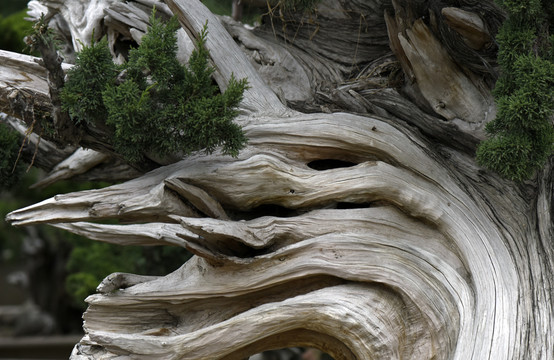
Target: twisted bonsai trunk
(355, 221)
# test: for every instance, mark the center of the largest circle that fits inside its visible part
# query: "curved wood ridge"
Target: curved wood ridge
(429, 250)
(370, 236)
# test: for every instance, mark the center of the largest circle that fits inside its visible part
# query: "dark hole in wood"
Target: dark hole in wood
(123, 45)
(263, 210)
(327, 164)
(350, 205)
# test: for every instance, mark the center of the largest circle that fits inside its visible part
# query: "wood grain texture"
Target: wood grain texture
(81, 161)
(469, 25)
(227, 57)
(370, 236)
(448, 280)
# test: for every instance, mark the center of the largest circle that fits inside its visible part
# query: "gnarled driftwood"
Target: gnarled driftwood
(369, 235)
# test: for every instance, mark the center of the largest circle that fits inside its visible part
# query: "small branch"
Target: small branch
(148, 202)
(238, 7)
(128, 235)
(49, 155)
(43, 41)
(79, 162)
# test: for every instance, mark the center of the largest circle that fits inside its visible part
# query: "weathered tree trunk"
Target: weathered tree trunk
(356, 220)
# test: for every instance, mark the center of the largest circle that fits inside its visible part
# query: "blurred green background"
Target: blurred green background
(13, 27)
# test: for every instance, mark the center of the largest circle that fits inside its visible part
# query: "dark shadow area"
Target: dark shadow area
(328, 164)
(263, 210)
(351, 205)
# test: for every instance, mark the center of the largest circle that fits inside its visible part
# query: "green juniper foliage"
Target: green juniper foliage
(522, 135)
(82, 92)
(153, 103)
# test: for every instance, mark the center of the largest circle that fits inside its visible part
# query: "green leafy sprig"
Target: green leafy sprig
(152, 103)
(522, 135)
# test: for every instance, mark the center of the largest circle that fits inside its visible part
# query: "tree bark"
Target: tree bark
(355, 221)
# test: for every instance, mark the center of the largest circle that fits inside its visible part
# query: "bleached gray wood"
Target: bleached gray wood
(410, 184)
(198, 198)
(23, 86)
(406, 250)
(447, 89)
(81, 161)
(228, 59)
(469, 25)
(274, 63)
(118, 281)
(136, 234)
